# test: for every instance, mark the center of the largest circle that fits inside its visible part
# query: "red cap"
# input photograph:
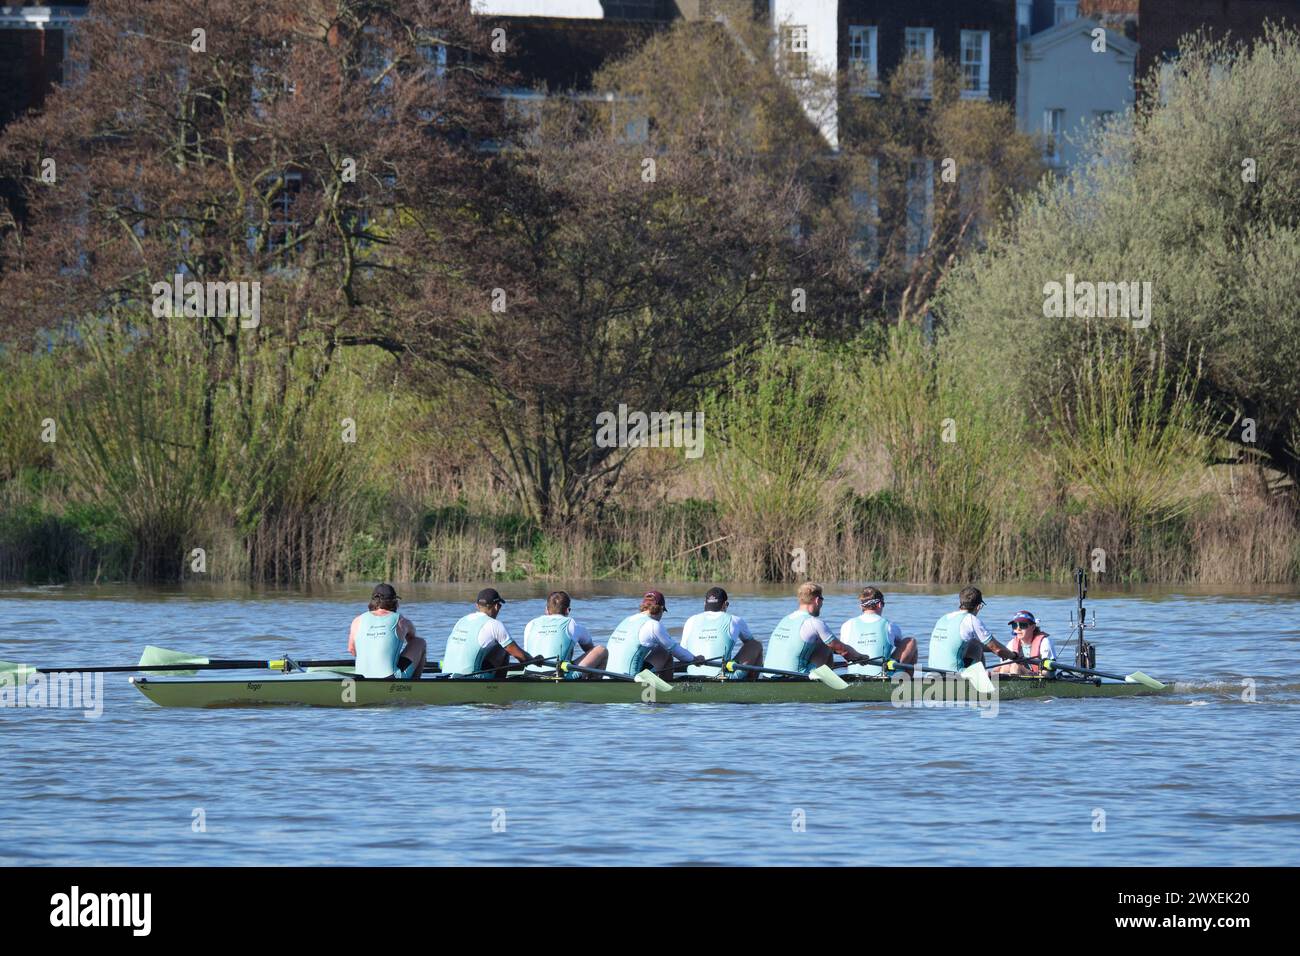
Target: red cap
(657, 597)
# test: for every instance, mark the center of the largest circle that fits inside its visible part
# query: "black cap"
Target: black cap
(714, 600)
(489, 596)
(383, 592)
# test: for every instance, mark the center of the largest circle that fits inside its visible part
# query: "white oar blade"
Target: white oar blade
(654, 680)
(828, 677)
(12, 674)
(978, 677)
(156, 656)
(1137, 677)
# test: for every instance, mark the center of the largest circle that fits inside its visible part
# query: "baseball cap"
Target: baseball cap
(489, 596)
(714, 600)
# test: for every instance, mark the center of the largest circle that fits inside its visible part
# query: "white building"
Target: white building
(1071, 77)
(807, 32)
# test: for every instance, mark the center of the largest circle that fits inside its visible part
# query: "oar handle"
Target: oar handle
(570, 666)
(711, 662)
(513, 664)
(755, 669)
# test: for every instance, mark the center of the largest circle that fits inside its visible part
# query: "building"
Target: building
(33, 48)
(1068, 81)
(1162, 23)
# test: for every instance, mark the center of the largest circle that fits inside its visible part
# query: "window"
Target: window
(1066, 12)
(918, 46)
(629, 123)
(1053, 123)
(864, 199)
(284, 227)
(434, 54)
(863, 73)
(920, 206)
(1024, 18)
(975, 64)
(794, 50)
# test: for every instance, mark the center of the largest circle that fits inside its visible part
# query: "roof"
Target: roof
(1038, 44)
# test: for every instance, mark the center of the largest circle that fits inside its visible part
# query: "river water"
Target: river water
(1206, 777)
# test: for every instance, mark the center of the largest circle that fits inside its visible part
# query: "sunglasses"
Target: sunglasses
(1020, 625)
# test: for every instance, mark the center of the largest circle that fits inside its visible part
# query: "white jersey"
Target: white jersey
(700, 636)
(537, 644)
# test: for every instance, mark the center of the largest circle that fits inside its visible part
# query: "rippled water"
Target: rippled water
(1203, 777)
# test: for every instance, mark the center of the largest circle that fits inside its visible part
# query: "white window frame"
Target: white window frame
(1064, 11)
(1024, 19)
(864, 67)
(910, 48)
(794, 50)
(865, 202)
(1053, 127)
(289, 228)
(920, 207)
(975, 40)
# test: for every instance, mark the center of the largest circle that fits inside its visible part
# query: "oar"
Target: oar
(1137, 677)
(711, 662)
(823, 674)
(513, 664)
(645, 677)
(159, 659)
(974, 674)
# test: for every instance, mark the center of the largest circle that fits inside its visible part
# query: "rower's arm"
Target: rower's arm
(1000, 649)
(517, 652)
(848, 653)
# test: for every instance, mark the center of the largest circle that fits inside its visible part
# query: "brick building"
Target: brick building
(1162, 22)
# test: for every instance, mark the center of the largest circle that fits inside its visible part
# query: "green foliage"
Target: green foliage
(1167, 199)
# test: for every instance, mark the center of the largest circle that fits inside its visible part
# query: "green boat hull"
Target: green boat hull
(332, 690)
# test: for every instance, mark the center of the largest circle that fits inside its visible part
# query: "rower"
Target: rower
(555, 635)
(870, 633)
(1027, 640)
(802, 642)
(479, 642)
(641, 642)
(384, 642)
(960, 637)
(715, 633)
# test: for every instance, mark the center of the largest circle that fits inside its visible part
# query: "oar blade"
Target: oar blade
(160, 656)
(828, 677)
(13, 674)
(651, 679)
(1137, 677)
(978, 677)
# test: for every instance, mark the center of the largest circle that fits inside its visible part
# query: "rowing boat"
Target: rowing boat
(332, 689)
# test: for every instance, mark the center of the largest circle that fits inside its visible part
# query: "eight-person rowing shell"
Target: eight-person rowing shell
(385, 644)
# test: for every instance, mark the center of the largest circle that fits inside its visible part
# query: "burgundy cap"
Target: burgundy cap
(1024, 616)
(657, 597)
